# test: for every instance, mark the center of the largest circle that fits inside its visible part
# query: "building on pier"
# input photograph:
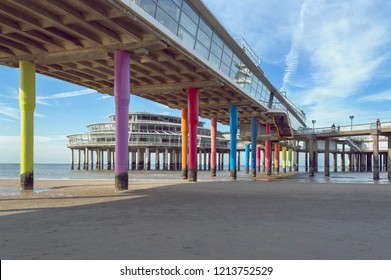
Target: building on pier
(153, 139)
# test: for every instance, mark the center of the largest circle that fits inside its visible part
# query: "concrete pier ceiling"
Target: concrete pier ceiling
(174, 46)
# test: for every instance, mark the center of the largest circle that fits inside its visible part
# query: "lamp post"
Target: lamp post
(313, 126)
(351, 122)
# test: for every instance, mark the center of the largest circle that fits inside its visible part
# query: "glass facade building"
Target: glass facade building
(196, 34)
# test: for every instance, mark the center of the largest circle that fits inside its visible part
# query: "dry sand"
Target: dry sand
(73, 219)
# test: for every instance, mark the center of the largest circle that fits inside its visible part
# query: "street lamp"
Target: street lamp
(313, 126)
(351, 122)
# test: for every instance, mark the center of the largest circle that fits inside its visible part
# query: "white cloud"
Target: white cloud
(380, 96)
(67, 94)
(9, 111)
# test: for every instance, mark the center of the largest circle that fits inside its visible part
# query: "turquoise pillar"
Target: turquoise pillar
(247, 159)
(233, 122)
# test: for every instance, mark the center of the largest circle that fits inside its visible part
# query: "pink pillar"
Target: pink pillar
(268, 152)
(193, 125)
(213, 132)
(258, 159)
(122, 98)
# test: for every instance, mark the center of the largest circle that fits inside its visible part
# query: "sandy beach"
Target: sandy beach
(87, 219)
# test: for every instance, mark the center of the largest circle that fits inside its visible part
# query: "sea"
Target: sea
(64, 172)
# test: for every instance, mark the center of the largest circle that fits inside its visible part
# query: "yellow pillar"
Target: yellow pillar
(277, 158)
(185, 131)
(284, 159)
(27, 107)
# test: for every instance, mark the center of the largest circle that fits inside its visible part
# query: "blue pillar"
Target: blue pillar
(254, 133)
(233, 121)
(247, 161)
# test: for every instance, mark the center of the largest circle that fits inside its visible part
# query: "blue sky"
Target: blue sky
(332, 57)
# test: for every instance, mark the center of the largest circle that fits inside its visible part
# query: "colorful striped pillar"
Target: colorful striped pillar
(258, 159)
(193, 125)
(268, 152)
(121, 98)
(213, 126)
(277, 158)
(254, 133)
(247, 158)
(27, 107)
(284, 159)
(185, 131)
(233, 122)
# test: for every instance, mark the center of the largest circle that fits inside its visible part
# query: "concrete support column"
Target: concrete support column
(335, 162)
(108, 159)
(316, 157)
(238, 161)
(103, 160)
(72, 159)
(343, 158)
(254, 133)
(205, 161)
(78, 159)
(157, 160)
(134, 160)
(296, 161)
(209, 161)
(86, 159)
(147, 159)
(121, 98)
(138, 159)
(247, 158)
(311, 156)
(264, 160)
(306, 161)
(165, 159)
(92, 159)
(362, 162)
(213, 126)
(200, 160)
(233, 131)
(375, 139)
(284, 159)
(258, 159)
(327, 158)
(27, 101)
(389, 156)
(193, 125)
(222, 161)
(268, 153)
(369, 162)
(277, 158)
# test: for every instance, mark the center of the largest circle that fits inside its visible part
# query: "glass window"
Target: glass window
(226, 59)
(202, 50)
(186, 37)
(178, 2)
(190, 12)
(171, 8)
(202, 37)
(187, 23)
(216, 50)
(166, 20)
(217, 40)
(147, 5)
(224, 68)
(228, 50)
(215, 60)
(205, 27)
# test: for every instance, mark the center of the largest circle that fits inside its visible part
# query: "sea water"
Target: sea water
(64, 172)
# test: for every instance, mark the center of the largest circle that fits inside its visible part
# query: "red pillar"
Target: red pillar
(193, 125)
(213, 125)
(268, 152)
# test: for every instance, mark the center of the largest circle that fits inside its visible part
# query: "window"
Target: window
(147, 5)
(188, 24)
(186, 37)
(170, 8)
(190, 12)
(202, 50)
(205, 27)
(166, 20)
(203, 38)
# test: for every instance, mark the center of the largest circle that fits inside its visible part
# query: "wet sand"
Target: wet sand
(281, 219)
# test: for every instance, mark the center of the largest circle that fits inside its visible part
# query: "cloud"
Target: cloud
(291, 59)
(105, 96)
(67, 94)
(377, 97)
(9, 111)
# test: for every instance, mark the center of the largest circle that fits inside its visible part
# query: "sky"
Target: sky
(331, 57)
